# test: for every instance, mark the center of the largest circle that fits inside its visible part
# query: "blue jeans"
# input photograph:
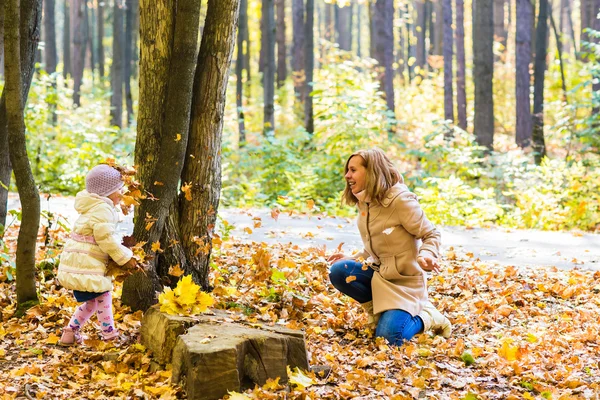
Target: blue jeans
(396, 326)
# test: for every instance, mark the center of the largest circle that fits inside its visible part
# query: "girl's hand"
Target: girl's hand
(429, 263)
(131, 264)
(337, 257)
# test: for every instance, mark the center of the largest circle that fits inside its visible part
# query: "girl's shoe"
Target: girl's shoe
(110, 336)
(70, 337)
(435, 320)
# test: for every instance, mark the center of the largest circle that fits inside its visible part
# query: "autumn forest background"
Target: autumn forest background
(488, 107)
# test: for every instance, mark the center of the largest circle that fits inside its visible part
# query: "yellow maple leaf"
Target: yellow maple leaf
(52, 339)
(178, 137)
(186, 188)
(299, 378)
(507, 351)
(203, 301)
(272, 384)
(156, 247)
(2, 353)
(237, 396)
(176, 271)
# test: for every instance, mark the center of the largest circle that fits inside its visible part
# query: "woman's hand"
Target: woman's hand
(338, 257)
(429, 263)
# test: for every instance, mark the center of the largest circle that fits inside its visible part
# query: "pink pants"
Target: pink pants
(101, 305)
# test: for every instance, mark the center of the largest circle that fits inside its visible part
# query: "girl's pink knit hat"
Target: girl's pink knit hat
(103, 180)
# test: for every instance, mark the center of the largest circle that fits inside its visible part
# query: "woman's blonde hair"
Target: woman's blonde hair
(380, 177)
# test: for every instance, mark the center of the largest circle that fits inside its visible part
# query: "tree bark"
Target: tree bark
(461, 93)
(483, 72)
(523, 77)
(438, 32)
(269, 73)
(565, 25)
(15, 94)
(359, 13)
(128, 60)
(595, 82)
(203, 163)
(344, 27)
(298, 50)
(239, 69)
(559, 48)
(419, 26)
(281, 47)
(539, 71)
(91, 20)
(587, 15)
(30, 26)
(176, 65)
(499, 26)
(50, 54)
(100, 26)
(448, 54)
(67, 40)
(117, 73)
(78, 47)
(309, 58)
(383, 17)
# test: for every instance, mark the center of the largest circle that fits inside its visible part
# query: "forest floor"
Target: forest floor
(521, 330)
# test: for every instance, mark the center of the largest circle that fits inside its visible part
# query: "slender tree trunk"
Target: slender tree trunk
(91, 18)
(262, 58)
(430, 33)
(383, 17)
(203, 172)
(438, 31)
(298, 51)
(51, 57)
(78, 47)
(411, 50)
(281, 47)
(461, 93)
(15, 94)
(539, 70)
(5, 167)
(100, 24)
(559, 48)
(135, 30)
(359, 13)
(309, 55)
(523, 77)
(565, 25)
(239, 69)
(499, 25)
(343, 27)
(420, 35)
(372, 34)
(168, 66)
(448, 54)
(128, 60)
(117, 71)
(483, 72)
(329, 22)
(400, 57)
(269, 74)
(587, 16)
(67, 40)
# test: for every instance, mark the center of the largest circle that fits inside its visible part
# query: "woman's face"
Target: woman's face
(355, 177)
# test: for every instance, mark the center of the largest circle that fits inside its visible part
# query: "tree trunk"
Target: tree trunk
(539, 70)
(343, 27)
(410, 47)
(309, 58)
(269, 73)
(483, 72)
(298, 50)
(448, 53)
(559, 49)
(128, 60)
(67, 40)
(100, 25)
(383, 17)
(135, 29)
(499, 26)
(372, 34)
(203, 163)
(523, 77)
(461, 93)
(565, 25)
(239, 69)
(91, 18)
(359, 13)
(117, 73)
(420, 34)
(595, 82)
(5, 168)
(172, 73)
(262, 57)
(15, 95)
(78, 47)
(329, 22)
(587, 14)
(438, 32)
(281, 47)
(30, 26)
(50, 54)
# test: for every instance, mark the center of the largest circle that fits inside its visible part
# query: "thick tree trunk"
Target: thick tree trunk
(523, 77)
(91, 18)
(461, 93)
(239, 69)
(30, 27)
(50, 54)
(78, 47)
(130, 13)
(539, 71)
(5, 168)
(262, 57)
(15, 95)
(384, 48)
(117, 73)
(269, 73)
(298, 50)
(309, 58)
(483, 72)
(419, 26)
(448, 53)
(67, 40)
(203, 163)
(281, 47)
(177, 52)
(100, 26)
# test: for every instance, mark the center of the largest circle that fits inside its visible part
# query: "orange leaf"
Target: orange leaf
(156, 247)
(187, 189)
(176, 271)
(351, 278)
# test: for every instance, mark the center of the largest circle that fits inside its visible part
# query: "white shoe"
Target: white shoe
(435, 320)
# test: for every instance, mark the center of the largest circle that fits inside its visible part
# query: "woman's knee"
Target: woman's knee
(339, 271)
(396, 327)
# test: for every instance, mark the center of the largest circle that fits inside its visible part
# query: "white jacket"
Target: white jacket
(85, 255)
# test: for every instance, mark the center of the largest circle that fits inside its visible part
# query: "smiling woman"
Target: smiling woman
(388, 276)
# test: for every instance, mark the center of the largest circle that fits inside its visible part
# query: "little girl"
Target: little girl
(85, 256)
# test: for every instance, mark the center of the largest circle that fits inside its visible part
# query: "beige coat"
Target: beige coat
(390, 233)
(85, 255)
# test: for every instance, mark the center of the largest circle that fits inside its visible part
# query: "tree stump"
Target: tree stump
(212, 355)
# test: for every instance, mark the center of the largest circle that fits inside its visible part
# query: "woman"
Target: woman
(389, 281)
